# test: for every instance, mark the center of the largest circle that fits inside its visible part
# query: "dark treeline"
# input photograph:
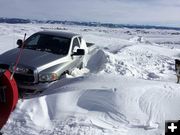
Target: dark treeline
(93, 24)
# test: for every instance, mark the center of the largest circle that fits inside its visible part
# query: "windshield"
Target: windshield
(49, 43)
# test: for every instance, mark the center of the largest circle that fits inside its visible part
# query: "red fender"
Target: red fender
(10, 97)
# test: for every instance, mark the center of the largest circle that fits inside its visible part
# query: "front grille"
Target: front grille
(20, 77)
(30, 72)
(24, 78)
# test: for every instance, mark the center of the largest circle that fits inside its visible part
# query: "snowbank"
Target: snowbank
(107, 103)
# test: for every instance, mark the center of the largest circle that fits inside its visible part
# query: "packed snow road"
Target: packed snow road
(127, 88)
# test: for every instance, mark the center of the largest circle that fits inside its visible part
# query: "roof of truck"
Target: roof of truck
(59, 33)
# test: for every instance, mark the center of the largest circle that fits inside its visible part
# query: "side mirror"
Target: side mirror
(79, 52)
(19, 42)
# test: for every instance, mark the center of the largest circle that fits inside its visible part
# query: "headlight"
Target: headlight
(48, 77)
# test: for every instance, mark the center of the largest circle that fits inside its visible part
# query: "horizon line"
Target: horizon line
(86, 23)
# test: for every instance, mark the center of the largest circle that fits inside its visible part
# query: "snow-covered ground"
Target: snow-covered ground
(127, 88)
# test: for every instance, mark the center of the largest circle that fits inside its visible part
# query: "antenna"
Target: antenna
(18, 57)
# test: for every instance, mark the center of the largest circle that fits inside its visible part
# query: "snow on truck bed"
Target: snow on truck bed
(127, 88)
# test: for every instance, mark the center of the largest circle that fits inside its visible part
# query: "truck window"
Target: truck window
(75, 45)
(48, 43)
(33, 40)
(79, 38)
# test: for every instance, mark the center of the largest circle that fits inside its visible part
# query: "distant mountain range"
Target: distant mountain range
(93, 24)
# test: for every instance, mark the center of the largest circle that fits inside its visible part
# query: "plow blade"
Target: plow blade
(8, 96)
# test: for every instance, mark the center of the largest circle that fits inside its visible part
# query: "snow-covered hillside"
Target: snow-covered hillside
(127, 88)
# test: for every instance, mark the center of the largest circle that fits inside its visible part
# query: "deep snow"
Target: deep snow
(127, 88)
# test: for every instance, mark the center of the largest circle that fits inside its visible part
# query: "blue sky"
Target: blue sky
(148, 12)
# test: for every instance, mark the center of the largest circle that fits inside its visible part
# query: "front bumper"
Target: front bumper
(34, 88)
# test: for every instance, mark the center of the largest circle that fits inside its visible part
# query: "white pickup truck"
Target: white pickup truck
(47, 55)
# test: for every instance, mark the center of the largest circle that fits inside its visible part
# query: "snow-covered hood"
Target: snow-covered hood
(29, 58)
